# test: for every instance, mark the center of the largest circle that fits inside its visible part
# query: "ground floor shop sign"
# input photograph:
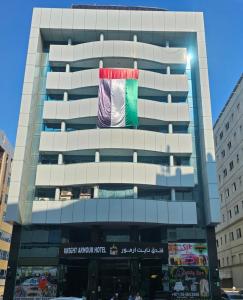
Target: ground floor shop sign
(136, 250)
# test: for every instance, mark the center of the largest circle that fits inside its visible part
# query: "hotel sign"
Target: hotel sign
(141, 250)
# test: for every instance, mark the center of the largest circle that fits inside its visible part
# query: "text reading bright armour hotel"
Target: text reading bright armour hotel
(113, 187)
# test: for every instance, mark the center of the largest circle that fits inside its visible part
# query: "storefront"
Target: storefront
(54, 262)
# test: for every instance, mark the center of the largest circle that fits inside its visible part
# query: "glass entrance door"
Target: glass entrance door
(114, 277)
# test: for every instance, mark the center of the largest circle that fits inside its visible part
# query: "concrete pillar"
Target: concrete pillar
(63, 126)
(102, 37)
(135, 38)
(101, 63)
(135, 156)
(168, 70)
(135, 191)
(167, 44)
(173, 198)
(60, 158)
(57, 194)
(171, 160)
(97, 156)
(67, 67)
(69, 42)
(169, 100)
(170, 128)
(135, 64)
(65, 96)
(96, 191)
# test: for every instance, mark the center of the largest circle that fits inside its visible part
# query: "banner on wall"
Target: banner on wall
(36, 282)
(188, 254)
(189, 282)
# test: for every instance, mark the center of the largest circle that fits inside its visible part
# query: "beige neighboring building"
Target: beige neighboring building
(6, 155)
(228, 134)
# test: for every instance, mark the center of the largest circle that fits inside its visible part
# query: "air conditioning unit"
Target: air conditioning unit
(85, 193)
(66, 194)
(44, 198)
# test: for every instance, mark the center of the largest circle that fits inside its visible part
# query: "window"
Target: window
(219, 263)
(223, 153)
(225, 172)
(229, 214)
(236, 209)
(231, 236)
(219, 178)
(221, 135)
(221, 241)
(221, 197)
(227, 126)
(233, 257)
(225, 238)
(240, 182)
(234, 186)
(231, 165)
(227, 260)
(232, 116)
(217, 243)
(237, 158)
(238, 233)
(238, 107)
(227, 193)
(229, 145)
(223, 218)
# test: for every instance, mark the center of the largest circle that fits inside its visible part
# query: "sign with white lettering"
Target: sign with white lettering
(114, 250)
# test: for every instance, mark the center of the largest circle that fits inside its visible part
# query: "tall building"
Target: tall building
(101, 205)
(6, 156)
(228, 133)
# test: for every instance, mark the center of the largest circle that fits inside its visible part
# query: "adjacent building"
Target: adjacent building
(6, 156)
(228, 134)
(117, 209)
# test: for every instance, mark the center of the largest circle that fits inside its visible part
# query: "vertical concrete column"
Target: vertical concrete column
(135, 191)
(167, 44)
(96, 187)
(101, 63)
(135, 156)
(168, 70)
(170, 127)
(69, 42)
(171, 160)
(67, 67)
(169, 100)
(60, 158)
(173, 197)
(135, 63)
(63, 126)
(65, 96)
(97, 156)
(57, 193)
(96, 191)
(102, 37)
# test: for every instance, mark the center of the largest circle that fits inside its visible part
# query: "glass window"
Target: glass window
(116, 191)
(236, 209)
(238, 233)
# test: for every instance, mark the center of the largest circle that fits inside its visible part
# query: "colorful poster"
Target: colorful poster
(189, 282)
(188, 254)
(36, 282)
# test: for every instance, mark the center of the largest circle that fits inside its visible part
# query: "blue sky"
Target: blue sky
(224, 36)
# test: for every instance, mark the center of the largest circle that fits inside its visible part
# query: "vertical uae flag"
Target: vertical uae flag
(118, 95)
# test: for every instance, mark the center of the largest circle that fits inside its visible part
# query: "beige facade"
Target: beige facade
(228, 134)
(6, 154)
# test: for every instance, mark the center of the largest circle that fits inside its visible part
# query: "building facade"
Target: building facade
(228, 133)
(99, 211)
(6, 156)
